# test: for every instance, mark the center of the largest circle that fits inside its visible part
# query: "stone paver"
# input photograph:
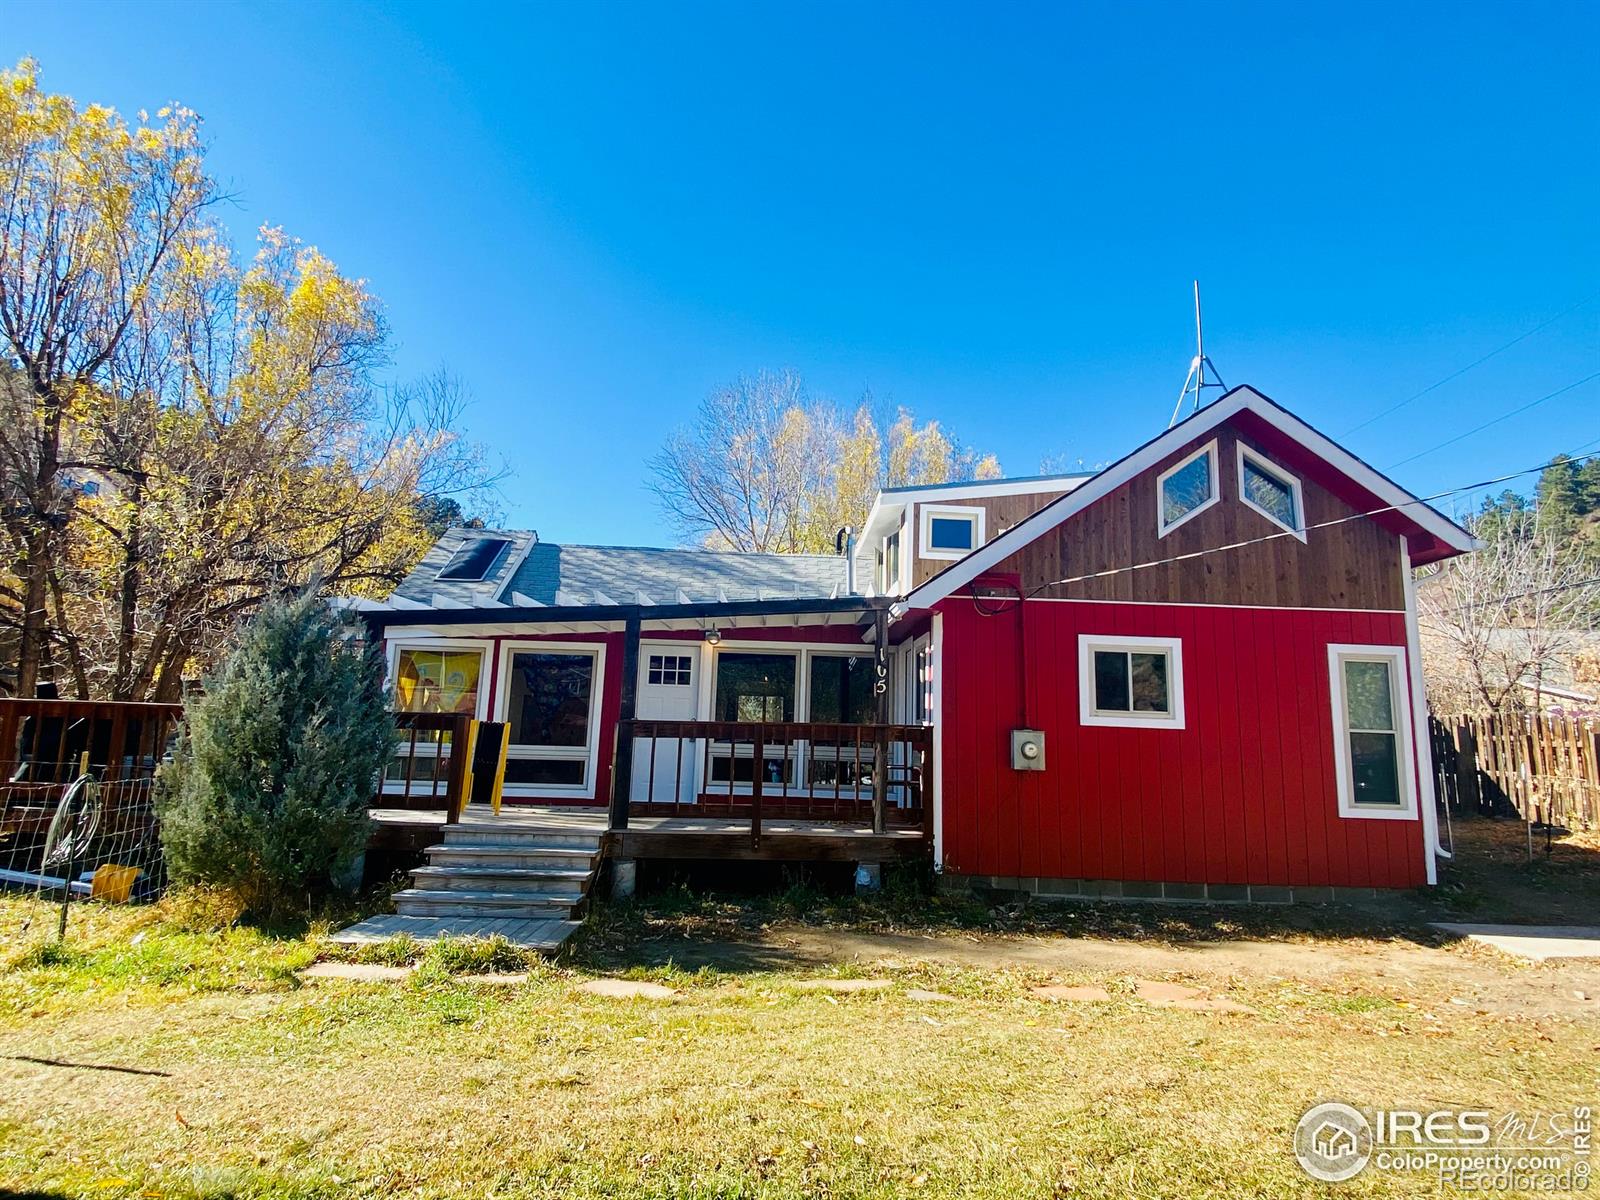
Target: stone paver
(926, 996)
(1086, 993)
(1177, 995)
(1533, 942)
(361, 972)
(844, 985)
(623, 989)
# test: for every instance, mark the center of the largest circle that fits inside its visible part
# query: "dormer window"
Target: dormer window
(474, 560)
(1271, 491)
(950, 531)
(1187, 489)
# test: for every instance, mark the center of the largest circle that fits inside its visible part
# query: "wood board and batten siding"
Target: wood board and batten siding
(1246, 791)
(1354, 564)
(1000, 513)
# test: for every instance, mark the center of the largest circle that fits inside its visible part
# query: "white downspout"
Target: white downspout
(1432, 850)
(936, 666)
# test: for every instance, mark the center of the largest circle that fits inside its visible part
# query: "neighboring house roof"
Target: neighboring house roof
(551, 575)
(1437, 536)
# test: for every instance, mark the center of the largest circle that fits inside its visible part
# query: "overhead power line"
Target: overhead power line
(1495, 421)
(1478, 362)
(1272, 537)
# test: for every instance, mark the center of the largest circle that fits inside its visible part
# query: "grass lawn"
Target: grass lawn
(157, 1055)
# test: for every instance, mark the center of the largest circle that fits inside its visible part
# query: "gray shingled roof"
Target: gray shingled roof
(567, 576)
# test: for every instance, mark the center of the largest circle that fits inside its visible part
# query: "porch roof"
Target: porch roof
(590, 618)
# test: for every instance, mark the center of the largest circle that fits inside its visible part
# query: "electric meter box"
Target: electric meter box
(1027, 750)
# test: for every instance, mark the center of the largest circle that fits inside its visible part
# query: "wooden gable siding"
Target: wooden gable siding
(1000, 514)
(1354, 565)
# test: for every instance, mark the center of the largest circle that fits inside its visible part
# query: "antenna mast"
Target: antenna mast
(1196, 382)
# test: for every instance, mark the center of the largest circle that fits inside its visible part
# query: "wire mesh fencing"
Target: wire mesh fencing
(77, 809)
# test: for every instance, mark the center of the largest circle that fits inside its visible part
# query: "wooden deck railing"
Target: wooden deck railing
(431, 767)
(881, 774)
(46, 744)
(47, 741)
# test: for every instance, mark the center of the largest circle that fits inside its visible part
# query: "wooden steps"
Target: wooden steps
(484, 880)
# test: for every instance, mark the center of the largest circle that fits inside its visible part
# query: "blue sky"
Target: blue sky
(594, 214)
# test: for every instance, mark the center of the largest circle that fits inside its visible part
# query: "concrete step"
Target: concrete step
(479, 835)
(433, 902)
(509, 855)
(545, 934)
(543, 880)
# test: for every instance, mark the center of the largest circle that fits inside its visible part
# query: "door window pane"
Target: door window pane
(841, 689)
(438, 681)
(549, 772)
(671, 670)
(755, 687)
(549, 701)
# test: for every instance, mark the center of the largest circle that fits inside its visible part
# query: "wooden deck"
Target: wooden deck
(783, 839)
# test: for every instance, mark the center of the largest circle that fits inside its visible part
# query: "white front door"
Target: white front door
(669, 681)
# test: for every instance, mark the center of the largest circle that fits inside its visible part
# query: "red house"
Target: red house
(1191, 675)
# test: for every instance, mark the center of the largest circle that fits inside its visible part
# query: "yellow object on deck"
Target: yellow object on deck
(113, 883)
(500, 770)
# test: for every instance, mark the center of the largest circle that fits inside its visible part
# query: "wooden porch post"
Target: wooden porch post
(880, 684)
(622, 761)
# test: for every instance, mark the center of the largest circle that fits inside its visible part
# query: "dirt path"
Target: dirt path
(1469, 975)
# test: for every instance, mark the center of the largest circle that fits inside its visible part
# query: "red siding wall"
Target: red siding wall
(1245, 793)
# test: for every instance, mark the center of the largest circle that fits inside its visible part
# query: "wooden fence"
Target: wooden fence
(1544, 769)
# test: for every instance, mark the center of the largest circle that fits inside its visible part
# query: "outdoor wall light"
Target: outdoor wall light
(714, 636)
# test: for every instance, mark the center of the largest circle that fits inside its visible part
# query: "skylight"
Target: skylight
(475, 559)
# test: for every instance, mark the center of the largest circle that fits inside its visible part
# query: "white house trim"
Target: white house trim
(1239, 400)
(1209, 450)
(936, 666)
(1291, 481)
(1088, 643)
(597, 690)
(972, 514)
(1400, 694)
(1432, 851)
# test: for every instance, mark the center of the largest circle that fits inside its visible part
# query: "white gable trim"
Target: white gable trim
(1239, 400)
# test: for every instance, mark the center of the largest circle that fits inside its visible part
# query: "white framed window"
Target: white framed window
(889, 565)
(1372, 732)
(1186, 489)
(670, 670)
(550, 699)
(432, 675)
(1130, 682)
(1272, 492)
(437, 677)
(949, 531)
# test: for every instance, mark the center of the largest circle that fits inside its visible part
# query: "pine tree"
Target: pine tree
(268, 790)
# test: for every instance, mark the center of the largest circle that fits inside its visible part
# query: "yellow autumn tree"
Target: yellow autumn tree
(184, 433)
(768, 467)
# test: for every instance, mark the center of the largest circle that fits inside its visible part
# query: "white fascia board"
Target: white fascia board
(1239, 400)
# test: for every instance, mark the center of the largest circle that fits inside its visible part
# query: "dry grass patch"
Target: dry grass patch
(739, 1085)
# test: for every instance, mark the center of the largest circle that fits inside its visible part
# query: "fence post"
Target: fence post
(1467, 767)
